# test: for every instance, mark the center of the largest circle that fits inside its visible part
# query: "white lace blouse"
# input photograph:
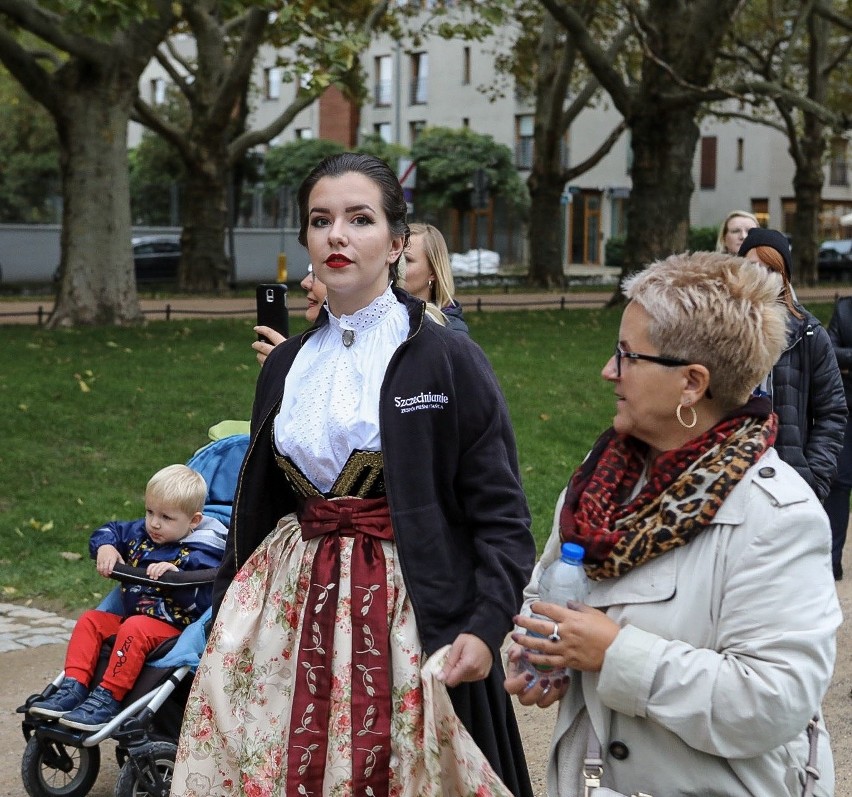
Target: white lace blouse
(331, 397)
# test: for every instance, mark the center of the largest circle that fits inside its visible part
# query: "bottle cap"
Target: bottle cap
(571, 552)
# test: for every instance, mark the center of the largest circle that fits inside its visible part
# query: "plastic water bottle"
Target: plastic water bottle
(563, 580)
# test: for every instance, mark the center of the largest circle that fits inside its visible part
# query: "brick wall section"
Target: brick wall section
(338, 118)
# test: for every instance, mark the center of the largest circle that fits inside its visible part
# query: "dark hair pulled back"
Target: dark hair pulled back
(393, 201)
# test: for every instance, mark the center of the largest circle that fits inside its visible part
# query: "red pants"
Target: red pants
(135, 637)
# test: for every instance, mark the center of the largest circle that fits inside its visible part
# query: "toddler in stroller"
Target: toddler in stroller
(171, 558)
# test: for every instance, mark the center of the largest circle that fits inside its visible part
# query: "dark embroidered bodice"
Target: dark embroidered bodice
(362, 477)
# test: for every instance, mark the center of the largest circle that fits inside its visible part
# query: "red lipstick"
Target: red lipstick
(337, 261)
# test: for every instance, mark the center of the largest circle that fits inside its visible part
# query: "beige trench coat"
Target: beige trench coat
(726, 650)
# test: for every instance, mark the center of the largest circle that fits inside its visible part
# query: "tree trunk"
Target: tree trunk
(808, 178)
(204, 266)
(546, 229)
(97, 285)
(663, 147)
(807, 185)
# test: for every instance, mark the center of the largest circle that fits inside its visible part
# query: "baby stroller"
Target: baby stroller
(59, 761)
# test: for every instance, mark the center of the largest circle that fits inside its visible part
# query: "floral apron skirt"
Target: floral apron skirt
(301, 693)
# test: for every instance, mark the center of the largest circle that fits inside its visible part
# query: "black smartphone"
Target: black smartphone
(272, 308)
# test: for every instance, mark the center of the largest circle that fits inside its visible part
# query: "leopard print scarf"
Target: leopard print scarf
(684, 490)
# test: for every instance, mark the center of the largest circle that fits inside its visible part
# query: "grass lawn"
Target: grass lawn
(90, 414)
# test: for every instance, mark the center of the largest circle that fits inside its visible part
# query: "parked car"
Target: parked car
(156, 258)
(834, 261)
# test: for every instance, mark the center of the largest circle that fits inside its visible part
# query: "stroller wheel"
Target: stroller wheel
(53, 769)
(148, 771)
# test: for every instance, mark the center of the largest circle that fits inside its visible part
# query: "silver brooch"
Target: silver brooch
(348, 336)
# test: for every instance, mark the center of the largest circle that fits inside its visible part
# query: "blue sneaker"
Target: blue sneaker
(70, 694)
(94, 713)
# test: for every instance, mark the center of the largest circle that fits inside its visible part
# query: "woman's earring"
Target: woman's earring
(681, 421)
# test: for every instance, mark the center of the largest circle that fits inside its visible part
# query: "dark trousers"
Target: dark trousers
(837, 501)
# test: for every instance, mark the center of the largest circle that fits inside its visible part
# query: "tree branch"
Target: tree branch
(146, 115)
(47, 25)
(827, 11)
(761, 120)
(595, 58)
(601, 152)
(24, 67)
(251, 138)
(184, 86)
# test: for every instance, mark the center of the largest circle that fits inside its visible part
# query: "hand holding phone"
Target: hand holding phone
(272, 309)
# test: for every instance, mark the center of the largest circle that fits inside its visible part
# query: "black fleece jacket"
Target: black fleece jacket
(459, 514)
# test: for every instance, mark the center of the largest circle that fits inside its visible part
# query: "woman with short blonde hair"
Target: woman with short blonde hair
(685, 671)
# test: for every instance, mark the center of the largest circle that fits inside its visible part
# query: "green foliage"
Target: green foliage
(291, 163)
(614, 250)
(702, 239)
(29, 157)
(92, 413)
(155, 167)
(101, 18)
(446, 160)
(389, 152)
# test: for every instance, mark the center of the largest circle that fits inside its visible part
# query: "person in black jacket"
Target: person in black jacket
(379, 543)
(837, 502)
(805, 384)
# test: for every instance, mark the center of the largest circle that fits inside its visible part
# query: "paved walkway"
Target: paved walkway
(24, 627)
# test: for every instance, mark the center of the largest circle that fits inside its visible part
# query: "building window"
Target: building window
(304, 132)
(740, 154)
(383, 90)
(708, 162)
(419, 78)
(466, 122)
(524, 126)
(788, 213)
(383, 130)
(158, 91)
(760, 209)
(839, 167)
(414, 130)
(272, 83)
(466, 66)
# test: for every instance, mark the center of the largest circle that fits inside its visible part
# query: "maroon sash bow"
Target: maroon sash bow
(368, 520)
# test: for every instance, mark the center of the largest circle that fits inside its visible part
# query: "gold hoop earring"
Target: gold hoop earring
(681, 421)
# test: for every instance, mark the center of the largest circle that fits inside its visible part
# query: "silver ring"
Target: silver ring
(545, 691)
(554, 637)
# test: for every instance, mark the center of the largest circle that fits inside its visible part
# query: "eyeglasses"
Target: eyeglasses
(620, 354)
(310, 276)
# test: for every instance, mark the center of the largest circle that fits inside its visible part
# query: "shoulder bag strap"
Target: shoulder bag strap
(811, 770)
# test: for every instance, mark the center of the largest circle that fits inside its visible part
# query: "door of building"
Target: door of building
(585, 232)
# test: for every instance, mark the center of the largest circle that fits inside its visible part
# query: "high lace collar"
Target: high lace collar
(364, 319)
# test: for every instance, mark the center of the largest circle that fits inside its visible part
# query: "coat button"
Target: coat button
(766, 473)
(618, 750)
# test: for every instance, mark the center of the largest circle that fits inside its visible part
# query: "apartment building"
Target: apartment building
(446, 83)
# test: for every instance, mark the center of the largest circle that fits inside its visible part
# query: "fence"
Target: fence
(244, 308)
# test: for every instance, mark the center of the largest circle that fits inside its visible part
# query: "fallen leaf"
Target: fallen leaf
(70, 556)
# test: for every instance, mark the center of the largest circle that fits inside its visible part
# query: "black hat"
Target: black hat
(758, 236)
